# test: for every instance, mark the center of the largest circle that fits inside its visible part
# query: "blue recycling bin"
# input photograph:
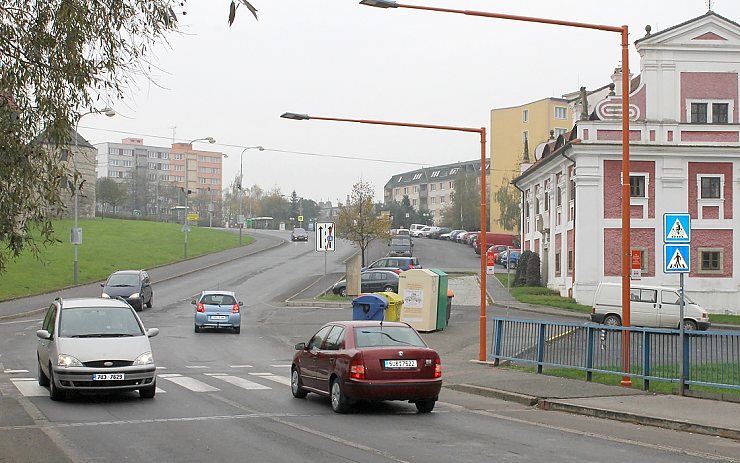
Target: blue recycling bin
(369, 307)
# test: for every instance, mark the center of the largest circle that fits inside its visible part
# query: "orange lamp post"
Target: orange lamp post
(483, 207)
(623, 31)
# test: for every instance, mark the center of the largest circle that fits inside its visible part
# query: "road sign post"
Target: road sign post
(677, 259)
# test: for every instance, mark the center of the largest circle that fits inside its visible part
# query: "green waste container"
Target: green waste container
(442, 299)
(395, 302)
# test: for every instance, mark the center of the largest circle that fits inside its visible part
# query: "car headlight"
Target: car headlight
(144, 359)
(134, 296)
(64, 360)
(105, 295)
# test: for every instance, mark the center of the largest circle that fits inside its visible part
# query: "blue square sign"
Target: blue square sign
(676, 228)
(676, 258)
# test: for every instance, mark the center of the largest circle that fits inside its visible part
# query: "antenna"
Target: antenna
(174, 129)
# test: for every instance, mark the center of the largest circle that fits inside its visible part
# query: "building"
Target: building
(684, 157)
(79, 157)
(430, 188)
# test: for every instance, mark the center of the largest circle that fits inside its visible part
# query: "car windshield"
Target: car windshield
(299, 231)
(399, 242)
(218, 299)
(123, 279)
(384, 336)
(98, 322)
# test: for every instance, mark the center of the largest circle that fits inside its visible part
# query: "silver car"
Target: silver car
(95, 344)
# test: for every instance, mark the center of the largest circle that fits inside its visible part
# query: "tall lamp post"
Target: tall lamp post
(187, 189)
(483, 204)
(623, 31)
(241, 187)
(77, 232)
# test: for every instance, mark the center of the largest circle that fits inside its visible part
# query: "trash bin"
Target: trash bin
(450, 295)
(395, 302)
(441, 297)
(369, 307)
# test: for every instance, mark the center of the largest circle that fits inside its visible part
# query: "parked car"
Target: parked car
(427, 231)
(401, 232)
(299, 234)
(371, 281)
(367, 360)
(397, 264)
(94, 344)
(217, 309)
(650, 306)
(462, 238)
(401, 245)
(512, 258)
(436, 234)
(497, 238)
(134, 286)
(451, 235)
(496, 249)
(502, 256)
(415, 228)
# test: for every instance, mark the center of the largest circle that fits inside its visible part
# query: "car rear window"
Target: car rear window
(89, 322)
(218, 299)
(385, 336)
(400, 242)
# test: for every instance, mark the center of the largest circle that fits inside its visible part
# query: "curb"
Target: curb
(508, 396)
(666, 423)
(315, 303)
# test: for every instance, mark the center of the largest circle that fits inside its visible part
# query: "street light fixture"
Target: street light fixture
(483, 204)
(241, 188)
(77, 232)
(624, 32)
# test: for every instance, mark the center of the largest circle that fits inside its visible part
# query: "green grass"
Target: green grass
(334, 298)
(724, 319)
(108, 245)
(542, 296)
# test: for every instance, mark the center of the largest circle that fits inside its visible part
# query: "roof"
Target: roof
(229, 293)
(431, 174)
(709, 13)
(102, 302)
(127, 272)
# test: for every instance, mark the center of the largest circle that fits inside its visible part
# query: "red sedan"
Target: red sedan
(367, 360)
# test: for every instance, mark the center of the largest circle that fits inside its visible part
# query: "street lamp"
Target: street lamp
(77, 232)
(483, 204)
(241, 188)
(185, 228)
(623, 31)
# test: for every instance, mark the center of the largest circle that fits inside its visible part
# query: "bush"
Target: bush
(533, 275)
(521, 269)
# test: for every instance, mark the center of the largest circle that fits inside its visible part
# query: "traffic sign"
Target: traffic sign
(676, 228)
(325, 236)
(300, 218)
(676, 258)
(192, 216)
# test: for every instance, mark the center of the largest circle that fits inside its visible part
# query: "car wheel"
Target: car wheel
(338, 400)
(343, 292)
(43, 379)
(149, 391)
(54, 392)
(612, 320)
(237, 329)
(389, 289)
(425, 406)
(689, 325)
(296, 385)
(197, 329)
(151, 302)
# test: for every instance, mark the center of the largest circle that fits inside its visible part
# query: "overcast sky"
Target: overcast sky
(336, 58)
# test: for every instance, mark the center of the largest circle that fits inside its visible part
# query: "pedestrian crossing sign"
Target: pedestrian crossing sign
(676, 258)
(676, 228)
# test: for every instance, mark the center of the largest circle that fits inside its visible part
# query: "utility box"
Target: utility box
(369, 307)
(353, 270)
(395, 303)
(441, 298)
(419, 289)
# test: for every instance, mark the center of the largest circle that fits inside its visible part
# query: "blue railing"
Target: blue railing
(710, 358)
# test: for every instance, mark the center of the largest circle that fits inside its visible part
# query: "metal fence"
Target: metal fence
(710, 358)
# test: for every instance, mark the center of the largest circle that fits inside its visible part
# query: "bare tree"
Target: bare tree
(358, 221)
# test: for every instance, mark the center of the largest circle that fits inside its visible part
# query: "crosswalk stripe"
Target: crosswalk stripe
(29, 387)
(237, 381)
(278, 379)
(8, 371)
(240, 366)
(188, 383)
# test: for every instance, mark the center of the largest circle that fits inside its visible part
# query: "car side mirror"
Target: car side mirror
(43, 334)
(193, 302)
(241, 303)
(300, 346)
(151, 332)
(102, 285)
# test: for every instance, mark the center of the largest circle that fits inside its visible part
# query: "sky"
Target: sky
(336, 58)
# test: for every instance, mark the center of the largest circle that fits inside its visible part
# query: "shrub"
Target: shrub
(521, 269)
(533, 275)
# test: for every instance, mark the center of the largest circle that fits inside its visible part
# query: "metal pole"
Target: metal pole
(681, 372)
(210, 212)
(626, 267)
(185, 220)
(483, 247)
(75, 231)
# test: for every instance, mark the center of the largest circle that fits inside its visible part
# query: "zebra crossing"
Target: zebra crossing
(194, 380)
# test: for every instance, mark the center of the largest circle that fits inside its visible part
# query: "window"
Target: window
(525, 136)
(637, 186)
(453, 171)
(318, 338)
(435, 174)
(711, 260)
(698, 113)
(559, 131)
(335, 339)
(415, 202)
(561, 112)
(710, 188)
(417, 177)
(452, 185)
(525, 115)
(559, 198)
(396, 192)
(441, 186)
(708, 111)
(434, 200)
(644, 295)
(557, 263)
(720, 113)
(570, 260)
(547, 202)
(405, 190)
(433, 186)
(441, 199)
(670, 297)
(416, 189)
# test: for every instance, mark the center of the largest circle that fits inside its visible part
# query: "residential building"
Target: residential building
(684, 157)
(79, 156)
(430, 188)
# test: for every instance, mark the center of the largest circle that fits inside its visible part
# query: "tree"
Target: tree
(110, 193)
(534, 277)
(509, 206)
(463, 211)
(358, 222)
(520, 278)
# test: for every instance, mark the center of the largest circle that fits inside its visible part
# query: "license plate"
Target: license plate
(219, 317)
(108, 377)
(400, 363)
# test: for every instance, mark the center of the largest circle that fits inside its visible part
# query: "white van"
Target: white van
(415, 228)
(650, 306)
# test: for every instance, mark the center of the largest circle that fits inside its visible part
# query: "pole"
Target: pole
(483, 247)
(185, 220)
(210, 211)
(681, 364)
(626, 267)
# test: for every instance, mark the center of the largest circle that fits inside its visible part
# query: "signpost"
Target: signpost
(677, 259)
(325, 238)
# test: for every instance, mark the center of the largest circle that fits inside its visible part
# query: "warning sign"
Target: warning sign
(676, 228)
(677, 258)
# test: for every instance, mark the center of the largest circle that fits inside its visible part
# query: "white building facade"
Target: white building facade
(684, 157)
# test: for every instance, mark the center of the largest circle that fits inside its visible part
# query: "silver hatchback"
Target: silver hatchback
(95, 344)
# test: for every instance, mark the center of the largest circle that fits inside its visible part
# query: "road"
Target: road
(225, 397)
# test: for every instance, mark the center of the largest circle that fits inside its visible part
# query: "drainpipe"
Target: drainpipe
(521, 219)
(573, 272)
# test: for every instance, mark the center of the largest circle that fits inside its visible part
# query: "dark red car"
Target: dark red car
(367, 360)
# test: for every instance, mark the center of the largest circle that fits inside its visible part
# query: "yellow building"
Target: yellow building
(515, 131)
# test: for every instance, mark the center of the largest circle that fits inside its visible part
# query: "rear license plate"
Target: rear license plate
(219, 317)
(108, 377)
(400, 363)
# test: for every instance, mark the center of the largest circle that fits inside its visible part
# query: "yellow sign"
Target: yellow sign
(300, 218)
(192, 217)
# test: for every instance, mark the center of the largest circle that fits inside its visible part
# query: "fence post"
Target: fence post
(540, 347)
(646, 348)
(686, 374)
(589, 352)
(498, 334)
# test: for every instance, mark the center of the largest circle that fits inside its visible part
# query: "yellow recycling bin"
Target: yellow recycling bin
(395, 302)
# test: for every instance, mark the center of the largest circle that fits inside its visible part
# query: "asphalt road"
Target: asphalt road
(225, 397)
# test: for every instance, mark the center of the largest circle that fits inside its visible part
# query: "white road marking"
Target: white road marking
(29, 387)
(240, 366)
(237, 381)
(197, 366)
(287, 365)
(189, 383)
(10, 372)
(278, 379)
(161, 368)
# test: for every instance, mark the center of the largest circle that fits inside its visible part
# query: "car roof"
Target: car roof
(126, 272)
(228, 293)
(102, 302)
(361, 323)
(299, 229)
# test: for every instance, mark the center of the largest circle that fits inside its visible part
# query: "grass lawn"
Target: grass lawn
(725, 319)
(334, 298)
(108, 245)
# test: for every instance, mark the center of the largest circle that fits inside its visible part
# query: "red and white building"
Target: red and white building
(685, 157)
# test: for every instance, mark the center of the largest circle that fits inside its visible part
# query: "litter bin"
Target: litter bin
(369, 307)
(441, 297)
(395, 302)
(450, 295)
